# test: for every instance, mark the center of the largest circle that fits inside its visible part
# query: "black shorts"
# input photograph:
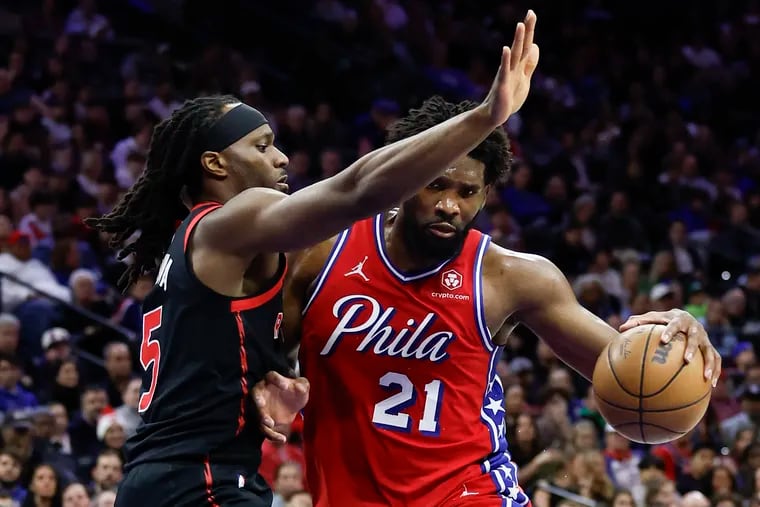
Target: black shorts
(192, 485)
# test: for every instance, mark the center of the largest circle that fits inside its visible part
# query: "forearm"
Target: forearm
(397, 171)
(581, 355)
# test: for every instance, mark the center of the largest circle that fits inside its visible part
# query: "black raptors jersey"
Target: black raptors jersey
(202, 352)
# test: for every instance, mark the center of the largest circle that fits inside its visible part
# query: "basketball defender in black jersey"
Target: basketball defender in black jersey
(211, 323)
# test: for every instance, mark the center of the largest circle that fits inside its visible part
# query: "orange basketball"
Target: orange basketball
(645, 389)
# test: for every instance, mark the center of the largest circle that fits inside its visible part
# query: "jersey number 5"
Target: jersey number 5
(388, 413)
(150, 354)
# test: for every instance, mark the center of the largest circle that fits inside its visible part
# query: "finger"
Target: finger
(709, 357)
(278, 380)
(503, 72)
(302, 385)
(273, 435)
(674, 327)
(517, 45)
(692, 343)
(531, 61)
(718, 369)
(530, 30)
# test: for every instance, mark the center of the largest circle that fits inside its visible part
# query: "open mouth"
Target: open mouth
(282, 184)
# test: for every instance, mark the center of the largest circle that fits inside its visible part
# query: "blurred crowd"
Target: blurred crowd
(637, 171)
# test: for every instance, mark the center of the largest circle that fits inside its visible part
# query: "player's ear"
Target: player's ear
(214, 164)
(486, 192)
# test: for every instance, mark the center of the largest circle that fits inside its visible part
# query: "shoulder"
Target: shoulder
(529, 276)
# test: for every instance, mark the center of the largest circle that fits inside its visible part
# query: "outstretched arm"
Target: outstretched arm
(260, 220)
(577, 336)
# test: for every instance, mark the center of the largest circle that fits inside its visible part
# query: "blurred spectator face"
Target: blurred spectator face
(92, 164)
(93, 402)
(75, 495)
(623, 500)
(556, 190)
(722, 481)
(618, 203)
(43, 482)
(302, 499)
(299, 164)
(666, 496)
(526, 429)
(289, 479)
(573, 236)
(435, 222)
(745, 359)
(68, 375)
(559, 378)
(108, 471)
(584, 436)
(295, 118)
(701, 462)
(35, 180)
(9, 337)
(591, 294)
(118, 361)
(330, 162)
(521, 177)
(131, 394)
(61, 418)
(9, 375)
(323, 113)
(514, 400)
(734, 303)
(115, 436)
(83, 289)
(44, 424)
(142, 138)
(10, 468)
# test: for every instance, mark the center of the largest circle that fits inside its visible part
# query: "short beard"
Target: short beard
(425, 245)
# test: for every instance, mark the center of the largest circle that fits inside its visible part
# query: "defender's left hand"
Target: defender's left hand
(679, 321)
(279, 399)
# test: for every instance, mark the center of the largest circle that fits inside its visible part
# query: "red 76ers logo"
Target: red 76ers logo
(451, 279)
(277, 324)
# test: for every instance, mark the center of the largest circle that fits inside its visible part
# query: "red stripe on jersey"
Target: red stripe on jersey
(243, 373)
(197, 219)
(240, 305)
(209, 483)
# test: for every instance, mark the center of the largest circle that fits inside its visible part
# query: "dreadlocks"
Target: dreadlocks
(154, 204)
(494, 151)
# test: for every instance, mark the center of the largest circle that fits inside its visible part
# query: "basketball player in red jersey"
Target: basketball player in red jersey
(407, 312)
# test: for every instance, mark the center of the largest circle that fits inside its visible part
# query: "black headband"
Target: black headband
(233, 126)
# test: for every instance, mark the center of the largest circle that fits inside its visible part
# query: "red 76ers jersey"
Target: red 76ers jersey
(405, 406)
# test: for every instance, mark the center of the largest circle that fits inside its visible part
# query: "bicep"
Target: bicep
(262, 220)
(554, 314)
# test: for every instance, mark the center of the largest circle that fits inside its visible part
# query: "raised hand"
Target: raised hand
(512, 83)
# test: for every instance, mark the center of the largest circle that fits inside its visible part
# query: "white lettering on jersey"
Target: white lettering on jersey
(163, 271)
(363, 314)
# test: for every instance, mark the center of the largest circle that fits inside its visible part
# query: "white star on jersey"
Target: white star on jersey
(494, 406)
(513, 492)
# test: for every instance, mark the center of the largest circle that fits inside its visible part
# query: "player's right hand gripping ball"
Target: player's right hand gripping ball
(645, 389)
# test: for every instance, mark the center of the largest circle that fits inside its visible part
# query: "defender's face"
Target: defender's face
(437, 219)
(254, 161)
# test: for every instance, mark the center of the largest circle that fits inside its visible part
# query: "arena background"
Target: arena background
(637, 163)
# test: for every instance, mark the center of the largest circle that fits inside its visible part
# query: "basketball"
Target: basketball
(645, 389)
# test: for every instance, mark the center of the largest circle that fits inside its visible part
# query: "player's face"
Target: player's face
(254, 161)
(437, 219)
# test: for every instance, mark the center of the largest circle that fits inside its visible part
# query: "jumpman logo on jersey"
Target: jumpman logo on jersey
(468, 493)
(359, 270)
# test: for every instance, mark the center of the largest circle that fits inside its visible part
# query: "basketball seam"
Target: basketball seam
(615, 375)
(658, 426)
(652, 410)
(672, 379)
(641, 383)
